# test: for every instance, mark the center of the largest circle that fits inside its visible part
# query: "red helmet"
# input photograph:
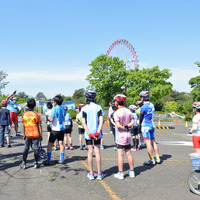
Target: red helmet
(4, 102)
(120, 97)
(80, 106)
(196, 105)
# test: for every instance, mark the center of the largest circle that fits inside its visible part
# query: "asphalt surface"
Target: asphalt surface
(69, 181)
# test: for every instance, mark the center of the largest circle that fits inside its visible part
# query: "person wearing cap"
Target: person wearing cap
(92, 121)
(147, 126)
(13, 112)
(5, 124)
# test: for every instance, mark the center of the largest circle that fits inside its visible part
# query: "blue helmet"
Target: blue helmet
(90, 95)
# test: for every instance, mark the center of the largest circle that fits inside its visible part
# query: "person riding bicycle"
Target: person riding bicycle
(195, 131)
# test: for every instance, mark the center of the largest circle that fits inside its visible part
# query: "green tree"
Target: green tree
(153, 80)
(195, 84)
(107, 77)
(79, 96)
(171, 106)
(40, 96)
(3, 75)
(22, 95)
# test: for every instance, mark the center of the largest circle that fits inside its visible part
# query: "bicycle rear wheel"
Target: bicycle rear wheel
(194, 182)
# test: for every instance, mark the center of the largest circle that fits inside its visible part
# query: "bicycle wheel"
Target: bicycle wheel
(194, 182)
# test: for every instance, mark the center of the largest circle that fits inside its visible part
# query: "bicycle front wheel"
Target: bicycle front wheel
(194, 182)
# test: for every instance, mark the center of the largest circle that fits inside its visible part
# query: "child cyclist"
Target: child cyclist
(32, 130)
(134, 129)
(124, 121)
(5, 124)
(47, 115)
(68, 130)
(58, 127)
(114, 108)
(195, 131)
(92, 121)
(81, 130)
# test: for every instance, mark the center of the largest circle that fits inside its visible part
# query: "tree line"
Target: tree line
(109, 76)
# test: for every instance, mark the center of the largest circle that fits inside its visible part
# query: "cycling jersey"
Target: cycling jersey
(79, 120)
(47, 115)
(58, 114)
(135, 117)
(92, 112)
(124, 117)
(148, 110)
(147, 124)
(68, 120)
(196, 120)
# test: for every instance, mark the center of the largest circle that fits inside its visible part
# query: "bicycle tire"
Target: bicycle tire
(193, 182)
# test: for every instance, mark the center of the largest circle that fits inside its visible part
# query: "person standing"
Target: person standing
(195, 131)
(81, 130)
(32, 129)
(110, 111)
(123, 121)
(13, 114)
(58, 127)
(92, 121)
(147, 125)
(5, 124)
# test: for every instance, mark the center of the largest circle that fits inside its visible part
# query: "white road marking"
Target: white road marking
(178, 143)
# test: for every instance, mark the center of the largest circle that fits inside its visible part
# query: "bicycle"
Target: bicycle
(193, 180)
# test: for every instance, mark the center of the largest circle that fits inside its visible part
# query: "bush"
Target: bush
(188, 117)
(73, 113)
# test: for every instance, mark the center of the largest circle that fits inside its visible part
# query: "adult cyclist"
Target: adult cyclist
(147, 125)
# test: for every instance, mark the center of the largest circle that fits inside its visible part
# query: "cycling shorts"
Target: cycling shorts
(81, 130)
(148, 133)
(196, 142)
(90, 142)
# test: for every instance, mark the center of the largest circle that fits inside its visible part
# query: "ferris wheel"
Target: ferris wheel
(125, 51)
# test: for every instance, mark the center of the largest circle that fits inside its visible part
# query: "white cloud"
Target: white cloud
(46, 76)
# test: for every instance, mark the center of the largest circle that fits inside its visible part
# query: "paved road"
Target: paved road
(165, 181)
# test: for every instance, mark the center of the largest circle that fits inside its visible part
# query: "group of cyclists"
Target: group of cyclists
(128, 125)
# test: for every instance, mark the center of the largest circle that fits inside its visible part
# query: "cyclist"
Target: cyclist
(195, 131)
(123, 121)
(139, 104)
(134, 129)
(68, 130)
(114, 107)
(146, 122)
(80, 127)
(92, 121)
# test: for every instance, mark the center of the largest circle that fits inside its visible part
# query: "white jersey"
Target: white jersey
(196, 120)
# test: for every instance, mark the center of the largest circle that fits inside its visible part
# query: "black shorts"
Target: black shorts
(91, 142)
(81, 130)
(119, 146)
(59, 135)
(134, 131)
(48, 128)
(68, 129)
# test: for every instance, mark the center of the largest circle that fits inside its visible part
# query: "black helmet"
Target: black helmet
(90, 95)
(145, 95)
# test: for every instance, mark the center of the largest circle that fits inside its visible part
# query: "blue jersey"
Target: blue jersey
(68, 120)
(91, 112)
(11, 106)
(58, 114)
(148, 110)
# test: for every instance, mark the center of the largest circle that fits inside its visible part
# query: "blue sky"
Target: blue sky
(46, 45)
